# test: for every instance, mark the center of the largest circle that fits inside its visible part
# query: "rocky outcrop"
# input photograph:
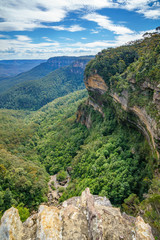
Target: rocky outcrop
(80, 218)
(57, 62)
(156, 96)
(145, 122)
(95, 106)
(54, 194)
(78, 66)
(96, 82)
(11, 226)
(83, 117)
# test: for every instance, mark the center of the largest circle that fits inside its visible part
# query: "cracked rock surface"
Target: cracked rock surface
(86, 217)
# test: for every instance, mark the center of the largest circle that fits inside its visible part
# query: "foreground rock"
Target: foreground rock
(80, 218)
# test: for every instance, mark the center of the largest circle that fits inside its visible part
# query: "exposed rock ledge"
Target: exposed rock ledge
(96, 82)
(80, 218)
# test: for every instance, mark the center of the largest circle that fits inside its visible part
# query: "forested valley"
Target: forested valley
(111, 156)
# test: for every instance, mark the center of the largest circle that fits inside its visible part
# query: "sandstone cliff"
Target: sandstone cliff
(79, 218)
(129, 77)
(99, 93)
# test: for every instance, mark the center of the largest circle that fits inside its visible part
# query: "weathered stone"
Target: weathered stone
(11, 227)
(96, 82)
(84, 118)
(79, 218)
(143, 230)
(95, 106)
(30, 228)
(49, 224)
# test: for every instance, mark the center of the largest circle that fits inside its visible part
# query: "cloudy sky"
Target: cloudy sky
(31, 29)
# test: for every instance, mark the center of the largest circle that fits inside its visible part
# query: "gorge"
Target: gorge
(107, 139)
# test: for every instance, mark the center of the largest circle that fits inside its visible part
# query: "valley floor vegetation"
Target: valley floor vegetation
(111, 158)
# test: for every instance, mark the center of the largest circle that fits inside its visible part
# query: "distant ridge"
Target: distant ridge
(33, 94)
(39, 71)
(10, 68)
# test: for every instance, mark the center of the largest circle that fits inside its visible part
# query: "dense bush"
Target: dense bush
(111, 161)
(109, 158)
(23, 178)
(61, 176)
(21, 182)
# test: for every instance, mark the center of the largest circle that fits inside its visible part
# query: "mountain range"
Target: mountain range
(42, 84)
(9, 68)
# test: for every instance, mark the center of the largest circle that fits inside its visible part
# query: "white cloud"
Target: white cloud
(4, 36)
(154, 14)
(28, 50)
(100, 44)
(148, 8)
(23, 38)
(19, 26)
(22, 47)
(94, 31)
(47, 39)
(29, 16)
(106, 23)
(66, 38)
(73, 28)
(134, 4)
(21, 15)
(119, 41)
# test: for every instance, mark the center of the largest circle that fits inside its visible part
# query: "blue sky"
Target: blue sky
(31, 29)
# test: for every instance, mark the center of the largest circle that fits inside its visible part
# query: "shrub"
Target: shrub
(61, 189)
(23, 212)
(61, 176)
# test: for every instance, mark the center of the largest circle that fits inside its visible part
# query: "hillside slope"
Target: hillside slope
(111, 158)
(127, 79)
(23, 177)
(34, 94)
(38, 72)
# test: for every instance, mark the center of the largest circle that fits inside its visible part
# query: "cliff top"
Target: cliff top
(85, 217)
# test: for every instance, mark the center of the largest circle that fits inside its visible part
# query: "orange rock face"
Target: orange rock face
(146, 123)
(96, 82)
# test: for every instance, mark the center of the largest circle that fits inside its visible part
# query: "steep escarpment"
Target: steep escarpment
(126, 80)
(129, 76)
(137, 115)
(84, 218)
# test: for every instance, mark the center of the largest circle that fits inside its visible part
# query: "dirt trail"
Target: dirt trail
(54, 195)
